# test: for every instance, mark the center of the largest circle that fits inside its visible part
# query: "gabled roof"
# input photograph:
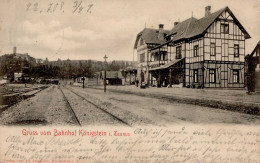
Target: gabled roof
(150, 36)
(180, 30)
(257, 46)
(193, 27)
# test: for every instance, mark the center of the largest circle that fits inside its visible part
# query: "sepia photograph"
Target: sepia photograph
(129, 81)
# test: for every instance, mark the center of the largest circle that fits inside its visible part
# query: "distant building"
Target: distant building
(39, 60)
(80, 79)
(5, 79)
(112, 77)
(22, 76)
(24, 56)
(18, 76)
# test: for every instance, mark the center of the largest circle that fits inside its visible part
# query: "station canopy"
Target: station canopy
(167, 65)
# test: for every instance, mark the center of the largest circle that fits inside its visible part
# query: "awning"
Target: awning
(167, 65)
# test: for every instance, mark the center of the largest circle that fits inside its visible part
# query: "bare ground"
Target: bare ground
(165, 111)
(59, 105)
(47, 107)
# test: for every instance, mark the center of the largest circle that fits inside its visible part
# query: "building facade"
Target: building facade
(146, 40)
(256, 55)
(202, 53)
(112, 77)
(253, 70)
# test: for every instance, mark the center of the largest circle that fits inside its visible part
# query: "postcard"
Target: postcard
(133, 81)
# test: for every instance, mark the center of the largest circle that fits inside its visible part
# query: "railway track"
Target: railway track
(11, 98)
(93, 104)
(19, 91)
(70, 107)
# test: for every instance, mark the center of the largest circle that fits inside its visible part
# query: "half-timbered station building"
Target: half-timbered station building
(203, 53)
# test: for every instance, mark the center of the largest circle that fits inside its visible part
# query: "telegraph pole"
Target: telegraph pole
(105, 73)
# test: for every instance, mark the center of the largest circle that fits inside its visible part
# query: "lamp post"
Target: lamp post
(105, 73)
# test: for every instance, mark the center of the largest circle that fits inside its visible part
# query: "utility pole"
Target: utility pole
(105, 73)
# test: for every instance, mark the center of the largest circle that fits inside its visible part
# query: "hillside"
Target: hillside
(11, 63)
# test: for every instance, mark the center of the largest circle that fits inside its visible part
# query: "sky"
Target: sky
(90, 29)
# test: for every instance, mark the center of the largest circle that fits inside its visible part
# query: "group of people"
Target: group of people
(163, 83)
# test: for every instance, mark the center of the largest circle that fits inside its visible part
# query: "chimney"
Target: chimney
(175, 23)
(161, 26)
(14, 50)
(161, 34)
(207, 10)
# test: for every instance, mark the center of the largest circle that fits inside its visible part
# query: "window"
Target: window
(235, 76)
(212, 75)
(236, 50)
(141, 41)
(142, 58)
(156, 57)
(224, 28)
(195, 78)
(212, 49)
(164, 57)
(196, 50)
(178, 52)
